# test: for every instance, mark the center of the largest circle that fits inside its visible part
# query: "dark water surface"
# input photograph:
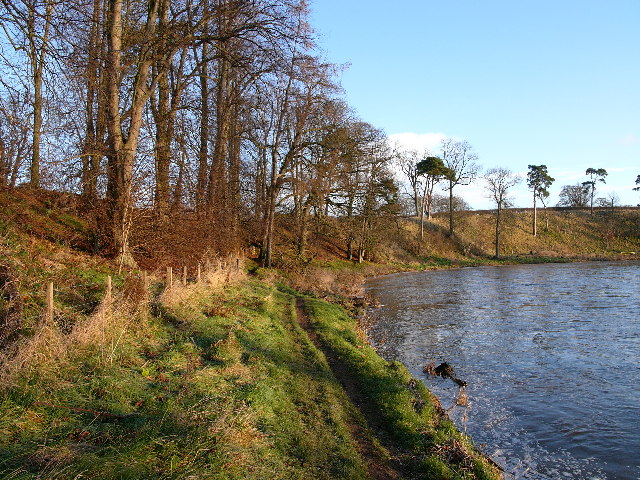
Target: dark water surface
(551, 354)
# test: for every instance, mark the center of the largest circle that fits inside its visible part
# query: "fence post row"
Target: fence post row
(108, 296)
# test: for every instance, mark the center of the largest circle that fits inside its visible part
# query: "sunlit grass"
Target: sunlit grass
(221, 383)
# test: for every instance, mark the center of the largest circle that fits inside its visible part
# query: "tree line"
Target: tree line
(457, 164)
(222, 108)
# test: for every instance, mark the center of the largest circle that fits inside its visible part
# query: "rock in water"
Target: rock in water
(444, 370)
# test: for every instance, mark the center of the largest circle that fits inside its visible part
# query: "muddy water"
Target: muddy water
(551, 355)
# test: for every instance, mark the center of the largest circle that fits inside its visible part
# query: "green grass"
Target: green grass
(220, 385)
(400, 406)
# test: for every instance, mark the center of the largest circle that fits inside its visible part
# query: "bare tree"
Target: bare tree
(574, 196)
(610, 201)
(440, 203)
(407, 161)
(124, 124)
(14, 138)
(498, 182)
(365, 190)
(27, 25)
(459, 157)
(171, 80)
(94, 145)
(595, 175)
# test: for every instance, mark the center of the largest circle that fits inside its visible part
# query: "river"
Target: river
(550, 352)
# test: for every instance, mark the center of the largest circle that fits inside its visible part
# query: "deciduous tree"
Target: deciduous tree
(407, 161)
(459, 157)
(14, 138)
(574, 196)
(27, 25)
(498, 183)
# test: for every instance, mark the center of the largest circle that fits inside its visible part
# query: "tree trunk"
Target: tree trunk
(217, 194)
(123, 145)
(498, 230)
(422, 208)
(450, 208)
(235, 140)
(176, 204)
(164, 134)
(38, 47)
(535, 214)
(37, 131)
(164, 115)
(416, 201)
(94, 130)
(203, 153)
(260, 183)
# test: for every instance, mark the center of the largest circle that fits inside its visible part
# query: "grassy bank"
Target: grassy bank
(218, 380)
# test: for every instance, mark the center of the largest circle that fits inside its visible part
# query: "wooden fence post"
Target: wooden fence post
(107, 307)
(49, 310)
(184, 276)
(107, 294)
(169, 277)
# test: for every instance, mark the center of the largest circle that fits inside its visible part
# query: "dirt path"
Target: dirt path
(378, 466)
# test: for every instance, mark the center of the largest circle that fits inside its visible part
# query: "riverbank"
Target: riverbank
(249, 373)
(230, 378)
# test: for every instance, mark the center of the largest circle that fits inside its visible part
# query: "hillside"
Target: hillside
(562, 232)
(246, 373)
(232, 376)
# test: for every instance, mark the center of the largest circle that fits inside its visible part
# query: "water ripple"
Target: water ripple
(551, 354)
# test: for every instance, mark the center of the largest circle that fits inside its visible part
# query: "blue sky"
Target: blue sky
(524, 81)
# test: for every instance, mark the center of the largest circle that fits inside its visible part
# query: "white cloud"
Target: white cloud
(417, 141)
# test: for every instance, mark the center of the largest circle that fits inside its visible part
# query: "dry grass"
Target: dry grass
(561, 233)
(218, 275)
(48, 349)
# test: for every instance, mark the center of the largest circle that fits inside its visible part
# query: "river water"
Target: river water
(551, 355)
